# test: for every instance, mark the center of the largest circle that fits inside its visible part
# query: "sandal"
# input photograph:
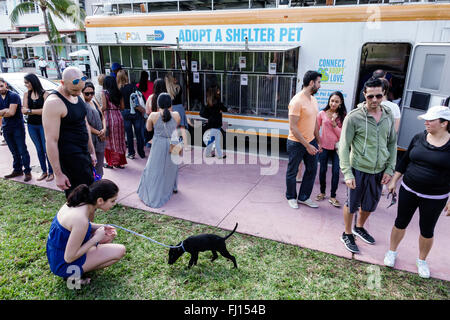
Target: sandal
(320, 197)
(335, 202)
(42, 177)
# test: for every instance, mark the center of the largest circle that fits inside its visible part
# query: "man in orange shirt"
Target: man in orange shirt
(303, 142)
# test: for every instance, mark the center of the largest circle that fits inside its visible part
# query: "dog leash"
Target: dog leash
(145, 237)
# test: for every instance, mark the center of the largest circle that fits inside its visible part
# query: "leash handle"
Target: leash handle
(145, 237)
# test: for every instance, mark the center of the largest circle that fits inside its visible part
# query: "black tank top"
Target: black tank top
(73, 135)
(35, 119)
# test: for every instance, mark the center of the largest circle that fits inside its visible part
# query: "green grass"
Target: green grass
(267, 269)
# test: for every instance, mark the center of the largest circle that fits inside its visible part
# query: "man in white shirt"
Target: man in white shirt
(5, 65)
(42, 64)
(393, 106)
(61, 65)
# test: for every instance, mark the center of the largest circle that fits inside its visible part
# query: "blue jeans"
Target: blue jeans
(15, 138)
(36, 132)
(217, 134)
(323, 159)
(297, 152)
(136, 121)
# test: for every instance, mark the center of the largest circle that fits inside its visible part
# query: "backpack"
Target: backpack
(136, 100)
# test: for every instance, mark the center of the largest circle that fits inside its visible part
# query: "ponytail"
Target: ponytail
(79, 195)
(166, 115)
(105, 189)
(165, 102)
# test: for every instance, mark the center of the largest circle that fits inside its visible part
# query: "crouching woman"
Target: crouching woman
(75, 245)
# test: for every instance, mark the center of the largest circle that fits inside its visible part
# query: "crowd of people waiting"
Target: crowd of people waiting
(363, 145)
(84, 127)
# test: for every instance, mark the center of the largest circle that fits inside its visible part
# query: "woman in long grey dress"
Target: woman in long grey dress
(159, 179)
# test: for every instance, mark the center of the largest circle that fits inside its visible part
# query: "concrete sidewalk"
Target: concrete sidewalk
(222, 194)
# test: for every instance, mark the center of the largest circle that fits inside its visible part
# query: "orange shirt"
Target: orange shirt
(307, 110)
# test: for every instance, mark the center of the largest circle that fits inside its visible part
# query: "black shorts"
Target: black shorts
(367, 193)
(78, 169)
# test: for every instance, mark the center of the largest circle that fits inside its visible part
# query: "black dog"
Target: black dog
(202, 242)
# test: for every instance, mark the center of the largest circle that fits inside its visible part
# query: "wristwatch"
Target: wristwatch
(29, 111)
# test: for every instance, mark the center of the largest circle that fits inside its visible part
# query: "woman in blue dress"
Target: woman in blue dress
(159, 179)
(74, 244)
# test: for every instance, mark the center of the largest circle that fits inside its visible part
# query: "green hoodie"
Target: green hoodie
(366, 145)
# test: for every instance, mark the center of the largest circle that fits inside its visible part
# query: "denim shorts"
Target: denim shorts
(367, 193)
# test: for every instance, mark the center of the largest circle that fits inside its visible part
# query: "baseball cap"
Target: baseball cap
(436, 112)
(115, 66)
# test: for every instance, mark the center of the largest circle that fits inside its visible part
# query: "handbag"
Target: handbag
(174, 149)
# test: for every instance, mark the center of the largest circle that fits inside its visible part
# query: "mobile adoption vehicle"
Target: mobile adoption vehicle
(257, 57)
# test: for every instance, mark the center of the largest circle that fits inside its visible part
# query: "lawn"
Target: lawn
(267, 269)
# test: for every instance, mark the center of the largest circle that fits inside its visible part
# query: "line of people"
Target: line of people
(363, 145)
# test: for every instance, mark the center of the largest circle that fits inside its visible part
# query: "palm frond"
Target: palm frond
(20, 10)
(67, 9)
(55, 36)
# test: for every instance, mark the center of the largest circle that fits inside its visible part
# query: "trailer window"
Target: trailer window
(136, 57)
(432, 71)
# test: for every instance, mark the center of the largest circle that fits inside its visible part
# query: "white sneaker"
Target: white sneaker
(293, 203)
(422, 268)
(309, 203)
(389, 258)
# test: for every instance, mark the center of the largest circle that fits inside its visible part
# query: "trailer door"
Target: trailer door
(427, 85)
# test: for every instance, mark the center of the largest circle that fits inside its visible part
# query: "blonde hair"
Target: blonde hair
(122, 78)
(100, 79)
(171, 86)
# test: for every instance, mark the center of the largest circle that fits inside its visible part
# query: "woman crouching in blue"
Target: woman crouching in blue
(75, 245)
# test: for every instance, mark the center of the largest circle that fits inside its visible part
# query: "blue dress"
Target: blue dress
(159, 179)
(56, 246)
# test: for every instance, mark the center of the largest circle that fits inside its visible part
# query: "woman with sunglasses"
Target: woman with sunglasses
(97, 124)
(425, 168)
(33, 102)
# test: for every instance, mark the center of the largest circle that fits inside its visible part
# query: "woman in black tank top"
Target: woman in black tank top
(33, 102)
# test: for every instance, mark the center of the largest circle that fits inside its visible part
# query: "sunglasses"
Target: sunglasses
(77, 81)
(88, 93)
(371, 96)
(394, 198)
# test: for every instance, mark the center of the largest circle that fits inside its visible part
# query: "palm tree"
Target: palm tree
(62, 9)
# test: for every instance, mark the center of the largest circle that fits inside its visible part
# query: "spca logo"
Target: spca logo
(129, 36)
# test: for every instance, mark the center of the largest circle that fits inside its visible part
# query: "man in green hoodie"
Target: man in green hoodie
(367, 153)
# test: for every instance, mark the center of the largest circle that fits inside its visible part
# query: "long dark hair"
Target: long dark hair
(158, 88)
(110, 85)
(35, 83)
(342, 110)
(105, 189)
(143, 81)
(211, 96)
(165, 102)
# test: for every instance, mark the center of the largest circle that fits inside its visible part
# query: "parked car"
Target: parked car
(16, 83)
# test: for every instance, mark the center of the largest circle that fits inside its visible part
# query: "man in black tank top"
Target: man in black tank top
(68, 141)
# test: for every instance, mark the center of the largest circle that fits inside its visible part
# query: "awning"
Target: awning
(40, 40)
(79, 53)
(230, 47)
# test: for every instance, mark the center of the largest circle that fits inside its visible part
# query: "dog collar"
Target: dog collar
(182, 246)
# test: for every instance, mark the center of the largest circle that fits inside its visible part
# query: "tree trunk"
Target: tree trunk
(52, 46)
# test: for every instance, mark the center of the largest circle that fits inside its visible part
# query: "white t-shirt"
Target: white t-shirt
(394, 108)
(42, 64)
